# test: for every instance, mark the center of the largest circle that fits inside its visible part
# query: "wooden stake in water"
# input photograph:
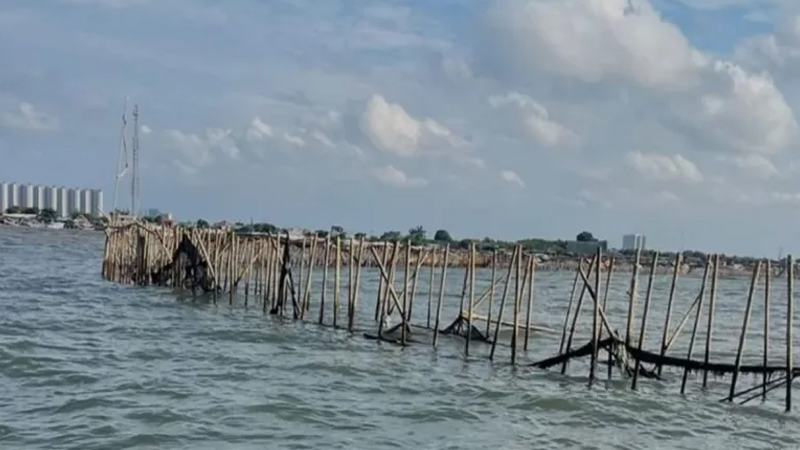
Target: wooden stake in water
(595, 316)
(675, 271)
(637, 367)
(503, 302)
(529, 303)
(767, 276)
(632, 293)
(491, 294)
(710, 327)
(698, 312)
(430, 289)
(324, 288)
(441, 294)
(471, 297)
(743, 333)
(789, 325)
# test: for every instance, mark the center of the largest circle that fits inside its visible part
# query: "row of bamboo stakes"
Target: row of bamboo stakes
(601, 325)
(260, 267)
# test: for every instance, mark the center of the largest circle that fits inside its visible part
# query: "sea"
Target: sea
(90, 364)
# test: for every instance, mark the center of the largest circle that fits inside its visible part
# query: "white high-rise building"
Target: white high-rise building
(38, 197)
(51, 198)
(27, 196)
(5, 189)
(62, 202)
(634, 242)
(97, 202)
(86, 201)
(73, 201)
(13, 195)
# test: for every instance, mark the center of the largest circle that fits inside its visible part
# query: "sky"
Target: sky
(504, 118)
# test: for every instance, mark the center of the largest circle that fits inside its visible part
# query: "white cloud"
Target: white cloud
(754, 165)
(395, 177)
(258, 130)
(512, 177)
(393, 130)
(664, 167)
(626, 44)
(27, 118)
(597, 40)
(535, 120)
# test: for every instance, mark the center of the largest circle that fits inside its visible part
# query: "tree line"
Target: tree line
(417, 235)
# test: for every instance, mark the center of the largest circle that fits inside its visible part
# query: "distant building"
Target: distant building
(38, 197)
(86, 201)
(5, 190)
(13, 195)
(27, 196)
(62, 202)
(634, 242)
(73, 201)
(51, 198)
(65, 201)
(97, 203)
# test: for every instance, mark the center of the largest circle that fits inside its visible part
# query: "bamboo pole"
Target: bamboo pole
(698, 312)
(430, 289)
(471, 298)
(737, 363)
(337, 281)
(517, 297)
(670, 300)
(632, 300)
(324, 288)
(442, 286)
(645, 314)
(767, 276)
(529, 303)
(595, 316)
(491, 295)
(378, 302)
(710, 326)
(503, 302)
(595, 263)
(789, 325)
(352, 318)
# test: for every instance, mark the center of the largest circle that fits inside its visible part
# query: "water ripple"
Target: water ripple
(92, 365)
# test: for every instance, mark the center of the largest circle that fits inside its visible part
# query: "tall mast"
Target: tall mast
(122, 157)
(135, 174)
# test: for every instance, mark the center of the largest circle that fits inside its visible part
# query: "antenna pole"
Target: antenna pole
(121, 151)
(135, 174)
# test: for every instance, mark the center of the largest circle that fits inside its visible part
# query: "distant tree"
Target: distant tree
(442, 236)
(30, 210)
(465, 243)
(14, 210)
(391, 236)
(360, 236)
(337, 230)
(417, 235)
(47, 215)
(585, 236)
(76, 215)
(202, 223)
(322, 233)
(265, 228)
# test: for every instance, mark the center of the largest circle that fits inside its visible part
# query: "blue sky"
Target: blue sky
(505, 118)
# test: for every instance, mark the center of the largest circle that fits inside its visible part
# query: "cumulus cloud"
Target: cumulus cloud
(27, 118)
(664, 167)
(393, 176)
(512, 177)
(535, 120)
